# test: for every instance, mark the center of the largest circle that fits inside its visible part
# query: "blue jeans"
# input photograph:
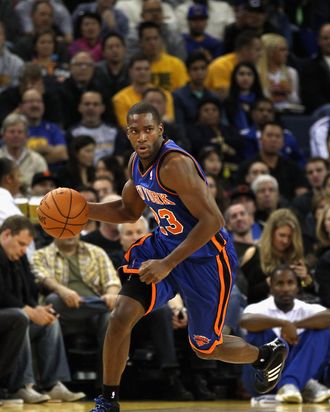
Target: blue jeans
(50, 356)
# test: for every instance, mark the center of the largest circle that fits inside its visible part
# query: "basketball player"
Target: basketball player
(187, 253)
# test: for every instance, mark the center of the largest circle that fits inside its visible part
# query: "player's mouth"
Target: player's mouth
(142, 149)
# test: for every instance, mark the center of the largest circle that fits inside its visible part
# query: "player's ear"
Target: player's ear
(161, 128)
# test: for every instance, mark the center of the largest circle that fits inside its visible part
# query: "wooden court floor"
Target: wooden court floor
(154, 406)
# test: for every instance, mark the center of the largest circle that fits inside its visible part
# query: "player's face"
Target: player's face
(15, 245)
(282, 238)
(145, 135)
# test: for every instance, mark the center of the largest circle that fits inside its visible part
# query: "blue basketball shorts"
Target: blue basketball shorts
(203, 283)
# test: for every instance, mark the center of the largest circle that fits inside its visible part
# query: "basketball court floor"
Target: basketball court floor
(154, 406)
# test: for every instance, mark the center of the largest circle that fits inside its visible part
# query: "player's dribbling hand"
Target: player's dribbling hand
(153, 271)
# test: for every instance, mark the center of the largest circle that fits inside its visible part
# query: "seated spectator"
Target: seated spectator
(31, 78)
(316, 169)
(52, 61)
(263, 111)
(113, 19)
(266, 190)
(61, 17)
(239, 224)
(168, 72)
(243, 195)
(11, 65)
(247, 49)
(19, 291)
(270, 145)
(113, 67)
(280, 242)
(141, 79)
(45, 137)
(110, 166)
(254, 170)
(82, 78)
(197, 39)
(323, 256)
(249, 15)
(103, 186)
(83, 285)
(13, 27)
(10, 181)
(152, 11)
(244, 90)
(157, 97)
(315, 77)
(188, 97)
(210, 130)
(319, 137)
(109, 138)
(41, 13)
(15, 147)
(220, 14)
(79, 169)
(280, 82)
(42, 183)
(304, 327)
(133, 11)
(88, 37)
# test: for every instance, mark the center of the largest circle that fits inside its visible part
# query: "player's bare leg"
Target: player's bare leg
(116, 348)
(268, 360)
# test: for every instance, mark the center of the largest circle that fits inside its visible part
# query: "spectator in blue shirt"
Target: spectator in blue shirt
(197, 38)
(44, 137)
(188, 97)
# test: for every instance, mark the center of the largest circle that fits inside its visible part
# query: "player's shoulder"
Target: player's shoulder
(175, 159)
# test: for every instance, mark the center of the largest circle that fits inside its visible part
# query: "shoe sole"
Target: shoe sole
(319, 399)
(293, 398)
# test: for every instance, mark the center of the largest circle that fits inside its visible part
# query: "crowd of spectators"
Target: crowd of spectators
(226, 77)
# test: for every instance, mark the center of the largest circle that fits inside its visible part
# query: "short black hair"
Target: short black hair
(113, 34)
(272, 123)
(6, 167)
(143, 108)
(245, 38)
(154, 90)
(281, 268)
(138, 57)
(196, 56)
(147, 25)
(16, 224)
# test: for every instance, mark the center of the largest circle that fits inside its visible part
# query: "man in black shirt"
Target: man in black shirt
(18, 290)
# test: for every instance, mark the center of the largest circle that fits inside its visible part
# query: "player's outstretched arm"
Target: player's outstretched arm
(126, 210)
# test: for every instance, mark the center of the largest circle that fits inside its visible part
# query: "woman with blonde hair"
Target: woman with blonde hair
(281, 242)
(280, 82)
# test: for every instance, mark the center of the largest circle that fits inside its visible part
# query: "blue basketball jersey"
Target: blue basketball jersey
(173, 218)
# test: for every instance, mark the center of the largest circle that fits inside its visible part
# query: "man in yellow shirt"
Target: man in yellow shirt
(140, 74)
(168, 72)
(247, 49)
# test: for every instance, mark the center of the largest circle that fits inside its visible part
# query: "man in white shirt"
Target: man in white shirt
(9, 187)
(306, 329)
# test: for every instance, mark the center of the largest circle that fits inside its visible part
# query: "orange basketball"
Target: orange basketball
(63, 213)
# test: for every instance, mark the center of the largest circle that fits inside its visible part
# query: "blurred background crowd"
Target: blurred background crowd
(242, 85)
